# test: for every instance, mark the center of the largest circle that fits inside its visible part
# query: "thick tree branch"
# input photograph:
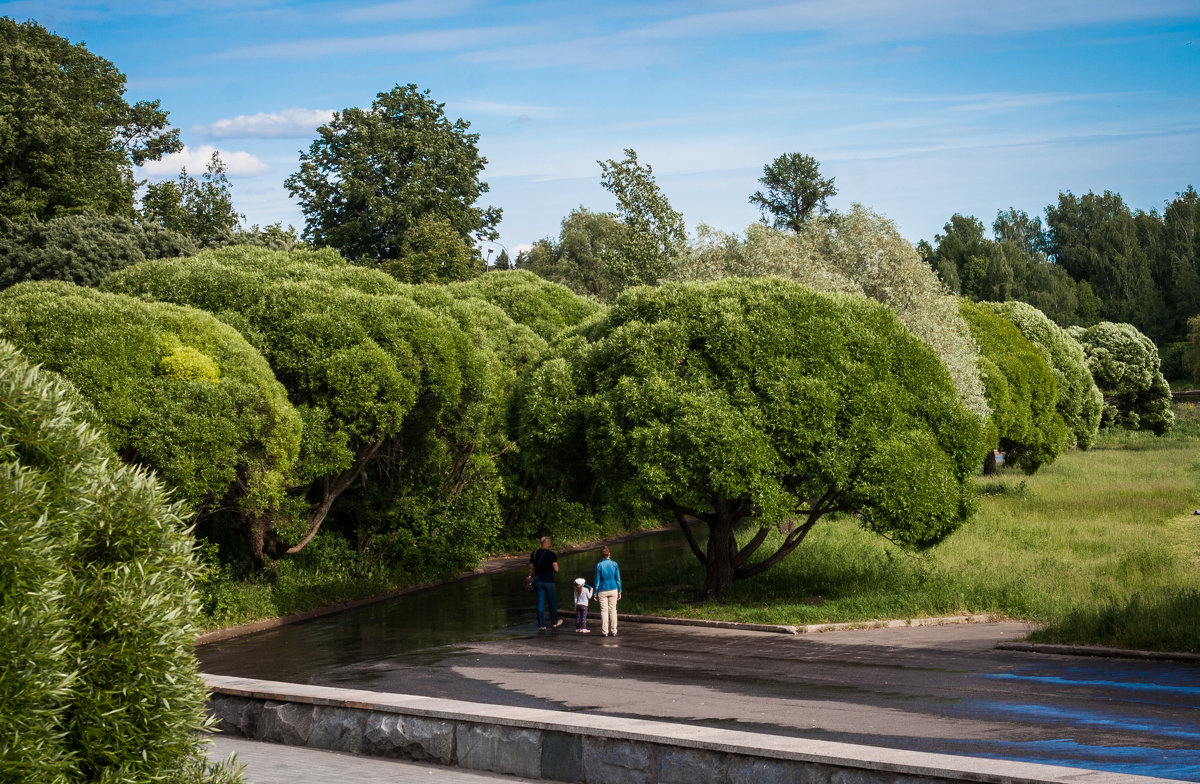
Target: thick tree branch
(681, 514)
(332, 489)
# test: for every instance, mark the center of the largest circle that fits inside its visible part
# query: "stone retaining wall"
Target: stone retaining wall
(591, 749)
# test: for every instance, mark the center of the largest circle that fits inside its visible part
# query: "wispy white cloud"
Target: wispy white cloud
(404, 10)
(454, 40)
(195, 160)
(919, 19)
(289, 123)
(516, 111)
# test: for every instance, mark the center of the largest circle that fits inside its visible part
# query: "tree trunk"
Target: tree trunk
(722, 549)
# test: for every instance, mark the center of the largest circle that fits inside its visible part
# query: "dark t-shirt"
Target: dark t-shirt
(543, 564)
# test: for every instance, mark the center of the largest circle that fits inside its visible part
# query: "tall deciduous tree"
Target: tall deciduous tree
(1095, 239)
(1013, 266)
(374, 174)
(201, 208)
(1173, 245)
(749, 404)
(585, 255)
(654, 234)
(68, 138)
(795, 191)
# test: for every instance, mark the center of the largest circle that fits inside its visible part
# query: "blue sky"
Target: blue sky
(919, 109)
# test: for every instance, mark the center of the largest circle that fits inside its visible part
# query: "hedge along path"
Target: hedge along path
(1079, 400)
(174, 389)
(97, 677)
(355, 356)
(1022, 392)
(399, 383)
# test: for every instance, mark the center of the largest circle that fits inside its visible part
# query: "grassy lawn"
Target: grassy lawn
(1101, 545)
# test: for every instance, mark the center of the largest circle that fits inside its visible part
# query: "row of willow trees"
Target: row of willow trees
(291, 400)
(296, 401)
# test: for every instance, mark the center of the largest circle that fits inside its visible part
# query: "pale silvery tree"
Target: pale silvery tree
(860, 252)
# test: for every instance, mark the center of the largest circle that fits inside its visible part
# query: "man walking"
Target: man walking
(543, 565)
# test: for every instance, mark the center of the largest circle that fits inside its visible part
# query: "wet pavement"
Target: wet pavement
(939, 689)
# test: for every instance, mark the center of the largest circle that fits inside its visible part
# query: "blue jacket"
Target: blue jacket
(608, 576)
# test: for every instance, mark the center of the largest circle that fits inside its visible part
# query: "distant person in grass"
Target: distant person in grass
(608, 591)
(543, 565)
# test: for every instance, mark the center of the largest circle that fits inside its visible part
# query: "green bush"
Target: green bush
(98, 682)
(1079, 402)
(175, 389)
(546, 308)
(406, 398)
(81, 249)
(1126, 367)
(1022, 392)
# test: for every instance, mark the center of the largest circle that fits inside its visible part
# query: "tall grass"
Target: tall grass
(1080, 539)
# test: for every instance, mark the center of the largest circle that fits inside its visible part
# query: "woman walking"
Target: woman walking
(608, 591)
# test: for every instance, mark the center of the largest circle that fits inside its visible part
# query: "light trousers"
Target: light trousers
(608, 611)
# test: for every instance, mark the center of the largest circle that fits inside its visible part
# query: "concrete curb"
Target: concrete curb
(579, 747)
(813, 628)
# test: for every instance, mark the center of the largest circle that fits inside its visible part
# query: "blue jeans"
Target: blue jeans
(547, 594)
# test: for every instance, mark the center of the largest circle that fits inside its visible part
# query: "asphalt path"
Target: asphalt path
(940, 688)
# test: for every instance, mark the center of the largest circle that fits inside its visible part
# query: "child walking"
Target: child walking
(583, 592)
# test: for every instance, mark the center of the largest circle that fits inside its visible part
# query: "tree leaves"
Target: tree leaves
(374, 175)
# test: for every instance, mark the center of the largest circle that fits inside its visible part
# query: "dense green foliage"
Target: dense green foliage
(600, 254)
(859, 252)
(795, 190)
(1079, 400)
(544, 307)
(81, 248)
(1012, 267)
(1022, 391)
(584, 256)
(68, 139)
(433, 252)
(174, 389)
(97, 677)
(1095, 238)
(373, 174)
(752, 402)
(1125, 365)
(404, 400)
(1095, 259)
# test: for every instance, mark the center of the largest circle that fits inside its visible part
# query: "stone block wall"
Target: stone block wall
(588, 749)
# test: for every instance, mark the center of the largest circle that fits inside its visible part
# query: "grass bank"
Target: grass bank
(1101, 545)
